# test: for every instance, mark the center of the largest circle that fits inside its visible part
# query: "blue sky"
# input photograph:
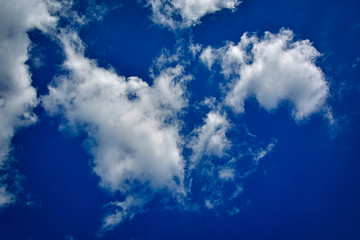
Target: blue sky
(181, 119)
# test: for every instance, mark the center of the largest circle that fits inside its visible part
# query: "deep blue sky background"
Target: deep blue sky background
(308, 187)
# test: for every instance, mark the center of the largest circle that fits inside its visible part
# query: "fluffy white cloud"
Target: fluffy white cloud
(132, 127)
(210, 139)
(273, 69)
(17, 96)
(186, 13)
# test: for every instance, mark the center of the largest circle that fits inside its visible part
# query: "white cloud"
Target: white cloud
(194, 48)
(208, 57)
(273, 69)
(210, 138)
(17, 96)
(227, 174)
(132, 128)
(263, 152)
(186, 13)
(209, 204)
(92, 11)
(125, 209)
(5, 197)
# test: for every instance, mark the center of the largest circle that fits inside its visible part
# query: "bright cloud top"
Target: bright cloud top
(273, 69)
(17, 96)
(132, 127)
(186, 13)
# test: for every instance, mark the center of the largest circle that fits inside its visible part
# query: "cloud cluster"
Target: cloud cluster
(132, 126)
(176, 14)
(273, 69)
(17, 96)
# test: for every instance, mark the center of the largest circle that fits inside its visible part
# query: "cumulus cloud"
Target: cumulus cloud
(132, 127)
(17, 96)
(177, 14)
(273, 69)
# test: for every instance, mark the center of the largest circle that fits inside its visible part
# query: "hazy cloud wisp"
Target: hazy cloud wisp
(178, 14)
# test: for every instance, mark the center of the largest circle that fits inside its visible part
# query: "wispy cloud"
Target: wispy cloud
(179, 14)
(210, 138)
